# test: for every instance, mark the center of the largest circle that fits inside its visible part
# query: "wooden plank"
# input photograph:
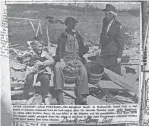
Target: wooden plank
(21, 85)
(103, 83)
(18, 102)
(70, 93)
(17, 84)
(119, 80)
(91, 100)
(16, 92)
(108, 85)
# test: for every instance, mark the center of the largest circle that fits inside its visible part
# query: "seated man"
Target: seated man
(71, 48)
(40, 63)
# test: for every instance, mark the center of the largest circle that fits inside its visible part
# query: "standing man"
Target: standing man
(71, 48)
(111, 41)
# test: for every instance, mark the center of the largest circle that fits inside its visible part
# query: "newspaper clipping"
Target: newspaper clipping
(144, 113)
(73, 62)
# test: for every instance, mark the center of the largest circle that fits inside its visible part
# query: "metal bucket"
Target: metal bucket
(95, 72)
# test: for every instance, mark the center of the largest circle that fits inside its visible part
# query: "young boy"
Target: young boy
(40, 63)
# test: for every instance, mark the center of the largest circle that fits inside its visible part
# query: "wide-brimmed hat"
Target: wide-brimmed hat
(110, 8)
(69, 19)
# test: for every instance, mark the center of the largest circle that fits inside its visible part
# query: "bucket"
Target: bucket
(70, 76)
(95, 72)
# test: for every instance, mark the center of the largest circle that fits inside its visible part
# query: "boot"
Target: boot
(35, 100)
(60, 98)
(47, 99)
(81, 100)
(26, 92)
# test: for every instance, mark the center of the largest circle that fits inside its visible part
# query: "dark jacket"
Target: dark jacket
(61, 45)
(112, 42)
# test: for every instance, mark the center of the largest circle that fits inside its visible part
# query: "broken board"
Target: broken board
(119, 80)
(91, 100)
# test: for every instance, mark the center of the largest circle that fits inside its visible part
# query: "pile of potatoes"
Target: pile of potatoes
(72, 66)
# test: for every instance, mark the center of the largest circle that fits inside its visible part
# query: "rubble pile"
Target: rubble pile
(131, 71)
(133, 53)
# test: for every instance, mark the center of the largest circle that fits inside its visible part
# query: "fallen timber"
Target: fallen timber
(91, 100)
(115, 78)
(17, 87)
(114, 83)
(119, 80)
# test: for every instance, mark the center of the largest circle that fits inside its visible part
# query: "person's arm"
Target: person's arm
(49, 60)
(103, 33)
(57, 57)
(60, 47)
(83, 49)
(120, 40)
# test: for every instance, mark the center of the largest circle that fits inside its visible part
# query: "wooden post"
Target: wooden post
(49, 44)
(38, 29)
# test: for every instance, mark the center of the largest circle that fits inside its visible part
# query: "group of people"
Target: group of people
(70, 47)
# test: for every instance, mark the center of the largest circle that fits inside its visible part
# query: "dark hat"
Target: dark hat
(110, 7)
(69, 19)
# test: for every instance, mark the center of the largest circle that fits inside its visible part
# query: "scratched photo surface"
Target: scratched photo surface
(74, 53)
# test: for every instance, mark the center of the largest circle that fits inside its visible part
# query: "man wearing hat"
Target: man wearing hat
(40, 63)
(111, 41)
(71, 48)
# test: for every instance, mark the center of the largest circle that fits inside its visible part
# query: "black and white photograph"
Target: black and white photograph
(74, 53)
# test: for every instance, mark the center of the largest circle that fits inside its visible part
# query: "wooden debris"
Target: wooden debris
(17, 84)
(70, 94)
(119, 80)
(16, 92)
(18, 102)
(107, 85)
(91, 100)
(124, 99)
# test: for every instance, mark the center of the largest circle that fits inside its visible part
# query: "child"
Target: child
(40, 63)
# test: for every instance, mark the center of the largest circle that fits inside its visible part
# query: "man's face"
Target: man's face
(71, 25)
(38, 49)
(108, 16)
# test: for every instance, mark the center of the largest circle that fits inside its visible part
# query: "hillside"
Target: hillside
(89, 26)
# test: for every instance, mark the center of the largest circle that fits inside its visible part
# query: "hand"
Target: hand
(62, 64)
(39, 63)
(98, 52)
(34, 69)
(87, 44)
(119, 60)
